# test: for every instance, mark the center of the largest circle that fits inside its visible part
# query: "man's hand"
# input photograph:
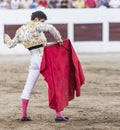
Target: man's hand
(7, 40)
(60, 42)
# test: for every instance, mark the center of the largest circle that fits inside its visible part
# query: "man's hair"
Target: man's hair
(39, 15)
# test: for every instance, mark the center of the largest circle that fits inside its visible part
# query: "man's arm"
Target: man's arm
(11, 42)
(48, 27)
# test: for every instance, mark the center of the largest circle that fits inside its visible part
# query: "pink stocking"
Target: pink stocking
(24, 107)
(59, 114)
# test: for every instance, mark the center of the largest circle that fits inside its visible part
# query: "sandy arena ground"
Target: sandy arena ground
(98, 108)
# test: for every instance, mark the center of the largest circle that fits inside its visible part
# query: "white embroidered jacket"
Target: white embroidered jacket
(31, 35)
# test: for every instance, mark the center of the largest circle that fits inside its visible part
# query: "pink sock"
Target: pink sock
(24, 107)
(59, 114)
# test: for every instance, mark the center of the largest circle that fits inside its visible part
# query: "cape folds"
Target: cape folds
(63, 72)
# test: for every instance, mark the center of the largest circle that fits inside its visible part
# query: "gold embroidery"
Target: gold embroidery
(31, 44)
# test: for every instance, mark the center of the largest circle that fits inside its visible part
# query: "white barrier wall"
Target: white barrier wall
(69, 17)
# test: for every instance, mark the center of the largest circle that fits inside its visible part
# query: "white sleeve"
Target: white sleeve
(50, 28)
(11, 42)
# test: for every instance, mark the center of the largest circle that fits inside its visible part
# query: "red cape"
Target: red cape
(63, 73)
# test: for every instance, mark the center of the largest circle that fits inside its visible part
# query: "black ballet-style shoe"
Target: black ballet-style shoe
(26, 119)
(61, 119)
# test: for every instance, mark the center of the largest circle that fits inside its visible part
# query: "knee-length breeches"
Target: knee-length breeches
(33, 75)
